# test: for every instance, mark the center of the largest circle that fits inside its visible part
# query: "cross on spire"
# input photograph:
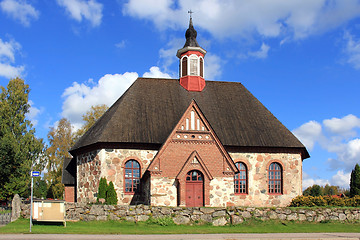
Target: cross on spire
(190, 12)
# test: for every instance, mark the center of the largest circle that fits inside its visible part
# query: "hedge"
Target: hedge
(310, 201)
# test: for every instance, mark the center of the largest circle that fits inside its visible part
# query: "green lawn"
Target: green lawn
(119, 227)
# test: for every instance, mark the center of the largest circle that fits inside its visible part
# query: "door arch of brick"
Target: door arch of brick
(194, 189)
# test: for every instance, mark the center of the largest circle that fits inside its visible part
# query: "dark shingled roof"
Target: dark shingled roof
(69, 172)
(149, 110)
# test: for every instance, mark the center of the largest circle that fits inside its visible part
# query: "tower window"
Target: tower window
(201, 67)
(184, 67)
(193, 66)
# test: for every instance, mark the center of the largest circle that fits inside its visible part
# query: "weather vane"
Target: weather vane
(190, 12)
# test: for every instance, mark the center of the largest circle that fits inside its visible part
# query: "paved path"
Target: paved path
(266, 236)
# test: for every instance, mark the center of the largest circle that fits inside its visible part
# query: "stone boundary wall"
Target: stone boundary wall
(215, 216)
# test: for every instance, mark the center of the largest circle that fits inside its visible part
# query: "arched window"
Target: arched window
(194, 62)
(240, 181)
(194, 176)
(275, 178)
(201, 67)
(132, 176)
(184, 67)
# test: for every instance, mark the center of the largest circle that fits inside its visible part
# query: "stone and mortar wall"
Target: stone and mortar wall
(163, 191)
(215, 216)
(222, 192)
(88, 176)
(108, 163)
(257, 165)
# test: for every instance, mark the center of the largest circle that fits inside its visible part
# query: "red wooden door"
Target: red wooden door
(194, 189)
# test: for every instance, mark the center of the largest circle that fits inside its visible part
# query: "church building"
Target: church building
(187, 142)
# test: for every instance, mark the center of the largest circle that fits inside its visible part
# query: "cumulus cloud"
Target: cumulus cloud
(307, 181)
(343, 126)
(7, 59)
(297, 18)
(168, 54)
(33, 113)
(89, 10)
(352, 50)
(338, 136)
(262, 52)
(20, 11)
(79, 97)
(341, 179)
(106, 91)
(309, 133)
(156, 73)
(213, 66)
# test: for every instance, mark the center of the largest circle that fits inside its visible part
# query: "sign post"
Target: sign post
(33, 174)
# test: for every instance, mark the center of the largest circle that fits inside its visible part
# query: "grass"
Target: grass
(123, 227)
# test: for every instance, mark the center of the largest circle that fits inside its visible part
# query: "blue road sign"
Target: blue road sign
(35, 173)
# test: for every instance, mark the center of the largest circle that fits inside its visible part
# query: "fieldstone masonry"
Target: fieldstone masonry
(108, 163)
(215, 216)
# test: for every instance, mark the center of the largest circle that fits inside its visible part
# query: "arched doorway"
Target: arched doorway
(194, 189)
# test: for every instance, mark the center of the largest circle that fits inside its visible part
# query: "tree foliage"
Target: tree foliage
(90, 117)
(328, 190)
(111, 196)
(19, 148)
(355, 181)
(103, 186)
(60, 142)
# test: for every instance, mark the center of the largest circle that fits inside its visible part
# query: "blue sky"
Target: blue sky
(300, 58)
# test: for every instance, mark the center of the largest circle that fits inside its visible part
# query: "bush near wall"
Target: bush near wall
(319, 201)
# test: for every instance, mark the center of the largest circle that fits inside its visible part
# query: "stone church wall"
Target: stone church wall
(163, 191)
(221, 191)
(109, 163)
(258, 165)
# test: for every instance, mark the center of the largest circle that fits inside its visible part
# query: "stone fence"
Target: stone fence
(214, 216)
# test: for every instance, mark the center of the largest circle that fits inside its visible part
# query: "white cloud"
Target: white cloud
(352, 50)
(168, 54)
(307, 181)
(33, 113)
(343, 126)
(339, 137)
(296, 18)
(261, 53)
(106, 91)
(156, 73)
(341, 179)
(121, 44)
(89, 10)
(7, 58)
(213, 66)
(309, 133)
(19, 10)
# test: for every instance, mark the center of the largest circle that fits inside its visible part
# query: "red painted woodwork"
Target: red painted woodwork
(192, 83)
(194, 189)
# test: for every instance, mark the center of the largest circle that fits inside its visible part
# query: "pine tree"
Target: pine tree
(111, 197)
(103, 186)
(355, 181)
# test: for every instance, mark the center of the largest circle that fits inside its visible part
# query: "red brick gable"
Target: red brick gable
(192, 136)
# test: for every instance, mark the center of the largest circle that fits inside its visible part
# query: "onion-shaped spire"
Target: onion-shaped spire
(191, 36)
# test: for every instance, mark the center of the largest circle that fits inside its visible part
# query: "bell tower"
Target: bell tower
(191, 61)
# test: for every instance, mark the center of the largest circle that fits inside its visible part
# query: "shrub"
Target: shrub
(111, 197)
(102, 189)
(309, 201)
